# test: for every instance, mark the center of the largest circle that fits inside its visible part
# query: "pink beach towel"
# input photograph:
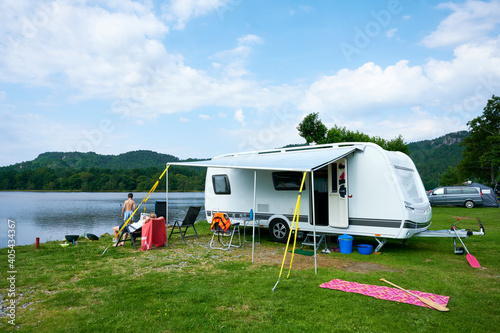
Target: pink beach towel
(382, 292)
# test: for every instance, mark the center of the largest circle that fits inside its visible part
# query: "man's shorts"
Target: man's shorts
(127, 214)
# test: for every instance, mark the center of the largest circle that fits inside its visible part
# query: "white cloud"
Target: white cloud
(301, 9)
(249, 40)
(95, 51)
(232, 63)
(469, 22)
(367, 87)
(240, 117)
(204, 116)
(3, 96)
(183, 120)
(391, 33)
(88, 52)
(416, 125)
(181, 11)
(474, 70)
(452, 92)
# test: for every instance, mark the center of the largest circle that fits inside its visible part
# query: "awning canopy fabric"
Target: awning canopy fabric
(305, 160)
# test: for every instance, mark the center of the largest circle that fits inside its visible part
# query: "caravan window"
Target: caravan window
(287, 181)
(409, 187)
(221, 184)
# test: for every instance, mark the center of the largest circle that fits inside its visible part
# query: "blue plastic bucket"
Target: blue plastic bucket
(345, 243)
(365, 249)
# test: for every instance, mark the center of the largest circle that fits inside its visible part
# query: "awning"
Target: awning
(304, 160)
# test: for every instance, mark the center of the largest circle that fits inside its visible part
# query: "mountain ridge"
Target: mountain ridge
(433, 157)
(137, 159)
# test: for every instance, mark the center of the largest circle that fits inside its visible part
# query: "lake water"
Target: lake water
(52, 215)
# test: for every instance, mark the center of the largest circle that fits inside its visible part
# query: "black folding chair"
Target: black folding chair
(184, 225)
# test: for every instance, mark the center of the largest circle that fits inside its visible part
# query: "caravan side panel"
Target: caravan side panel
(239, 200)
(269, 203)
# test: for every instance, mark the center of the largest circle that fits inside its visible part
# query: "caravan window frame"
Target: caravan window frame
(295, 176)
(227, 184)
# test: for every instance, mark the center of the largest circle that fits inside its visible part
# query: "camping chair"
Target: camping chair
(132, 236)
(222, 227)
(188, 221)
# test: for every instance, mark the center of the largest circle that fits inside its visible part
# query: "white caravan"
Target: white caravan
(358, 189)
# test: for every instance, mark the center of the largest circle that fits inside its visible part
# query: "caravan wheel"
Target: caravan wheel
(279, 230)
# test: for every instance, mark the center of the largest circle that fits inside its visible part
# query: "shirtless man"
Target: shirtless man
(128, 208)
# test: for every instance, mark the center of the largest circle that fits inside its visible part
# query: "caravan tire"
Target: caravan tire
(279, 230)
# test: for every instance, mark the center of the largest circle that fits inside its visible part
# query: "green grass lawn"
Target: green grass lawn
(186, 287)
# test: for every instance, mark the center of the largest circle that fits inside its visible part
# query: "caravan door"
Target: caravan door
(338, 204)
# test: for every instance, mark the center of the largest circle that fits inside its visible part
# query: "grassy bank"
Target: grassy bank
(185, 287)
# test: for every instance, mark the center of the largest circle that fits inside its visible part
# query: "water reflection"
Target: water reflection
(51, 215)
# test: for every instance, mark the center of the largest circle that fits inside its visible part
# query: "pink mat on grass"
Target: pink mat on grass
(382, 292)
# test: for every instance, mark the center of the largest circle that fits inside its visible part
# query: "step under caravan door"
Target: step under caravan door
(338, 203)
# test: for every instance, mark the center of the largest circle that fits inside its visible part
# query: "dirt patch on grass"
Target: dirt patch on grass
(196, 255)
(274, 257)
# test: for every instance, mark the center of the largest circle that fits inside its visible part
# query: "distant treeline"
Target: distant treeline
(102, 180)
(90, 172)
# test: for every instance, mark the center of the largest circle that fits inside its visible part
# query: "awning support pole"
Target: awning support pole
(166, 203)
(314, 223)
(254, 211)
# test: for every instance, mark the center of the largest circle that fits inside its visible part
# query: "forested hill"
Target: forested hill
(139, 159)
(90, 172)
(433, 157)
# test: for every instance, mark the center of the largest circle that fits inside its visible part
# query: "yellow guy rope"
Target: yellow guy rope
(296, 221)
(137, 208)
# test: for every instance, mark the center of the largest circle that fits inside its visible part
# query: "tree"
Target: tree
(398, 144)
(449, 177)
(312, 129)
(481, 156)
(341, 134)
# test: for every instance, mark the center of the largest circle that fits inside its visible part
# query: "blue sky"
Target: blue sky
(199, 78)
